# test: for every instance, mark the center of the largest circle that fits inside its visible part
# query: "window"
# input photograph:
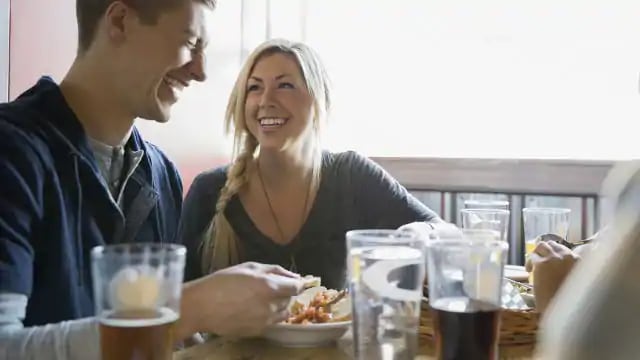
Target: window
(439, 78)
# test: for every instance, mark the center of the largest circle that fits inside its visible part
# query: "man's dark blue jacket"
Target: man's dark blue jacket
(55, 206)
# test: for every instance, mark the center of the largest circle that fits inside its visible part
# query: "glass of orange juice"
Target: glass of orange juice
(539, 221)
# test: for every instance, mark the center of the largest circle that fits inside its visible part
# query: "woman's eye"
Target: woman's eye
(286, 85)
(252, 88)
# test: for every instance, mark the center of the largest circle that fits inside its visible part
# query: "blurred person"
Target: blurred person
(592, 315)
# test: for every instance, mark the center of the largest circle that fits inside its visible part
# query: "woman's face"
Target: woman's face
(278, 107)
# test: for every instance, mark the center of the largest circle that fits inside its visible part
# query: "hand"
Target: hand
(238, 301)
(550, 263)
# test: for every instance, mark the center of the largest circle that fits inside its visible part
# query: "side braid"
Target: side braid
(220, 247)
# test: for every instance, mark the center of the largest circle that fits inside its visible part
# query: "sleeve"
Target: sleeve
(381, 200)
(197, 213)
(69, 340)
(21, 208)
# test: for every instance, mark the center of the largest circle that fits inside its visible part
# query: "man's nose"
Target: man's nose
(197, 67)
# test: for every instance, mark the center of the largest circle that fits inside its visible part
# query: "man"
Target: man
(75, 173)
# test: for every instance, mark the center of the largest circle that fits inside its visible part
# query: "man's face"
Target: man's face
(158, 61)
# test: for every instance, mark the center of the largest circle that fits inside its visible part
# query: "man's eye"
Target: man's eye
(192, 44)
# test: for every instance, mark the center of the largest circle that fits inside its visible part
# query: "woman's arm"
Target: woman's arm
(379, 198)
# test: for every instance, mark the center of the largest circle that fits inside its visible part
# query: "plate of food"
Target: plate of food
(318, 317)
(516, 272)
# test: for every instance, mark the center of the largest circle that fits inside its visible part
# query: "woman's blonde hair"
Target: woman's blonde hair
(220, 247)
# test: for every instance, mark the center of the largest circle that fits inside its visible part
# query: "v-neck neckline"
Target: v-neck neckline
(308, 222)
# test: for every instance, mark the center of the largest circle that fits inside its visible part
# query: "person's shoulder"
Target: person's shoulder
(211, 180)
(341, 158)
(162, 166)
(349, 160)
(27, 110)
(19, 132)
(158, 155)
(24, 121)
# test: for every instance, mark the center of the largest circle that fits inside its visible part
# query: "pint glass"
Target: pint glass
(137, 290)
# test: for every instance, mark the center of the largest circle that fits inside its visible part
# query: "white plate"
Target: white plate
(311, 335)
(516, 272)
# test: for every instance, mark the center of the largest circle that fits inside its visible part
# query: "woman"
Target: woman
(283, 200)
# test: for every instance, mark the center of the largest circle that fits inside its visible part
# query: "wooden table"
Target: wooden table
(259, 349)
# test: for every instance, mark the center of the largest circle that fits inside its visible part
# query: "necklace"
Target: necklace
(292, 259)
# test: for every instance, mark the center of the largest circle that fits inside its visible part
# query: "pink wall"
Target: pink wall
(43, 41)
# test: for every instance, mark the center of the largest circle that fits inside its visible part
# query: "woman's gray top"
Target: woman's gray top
(354, 193)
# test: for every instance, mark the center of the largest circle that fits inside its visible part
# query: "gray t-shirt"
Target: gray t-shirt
(354, 193)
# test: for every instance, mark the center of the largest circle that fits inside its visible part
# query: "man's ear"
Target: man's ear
(119, 18)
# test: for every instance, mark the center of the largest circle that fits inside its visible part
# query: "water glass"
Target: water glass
(465, 284)
(137, 289)
(496, 220)
(386, 276)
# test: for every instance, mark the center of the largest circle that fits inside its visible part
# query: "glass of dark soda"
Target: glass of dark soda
(465, 286)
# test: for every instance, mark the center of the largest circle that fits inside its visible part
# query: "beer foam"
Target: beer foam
(165, 316)
(135, 287)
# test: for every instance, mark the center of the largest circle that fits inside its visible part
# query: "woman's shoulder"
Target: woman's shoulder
(346, 159)
(351, 162)
(210, 181)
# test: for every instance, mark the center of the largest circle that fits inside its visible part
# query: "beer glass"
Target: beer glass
(386, 274)
(487, 219)
(541, 221)
(465, 285)
(137, 290)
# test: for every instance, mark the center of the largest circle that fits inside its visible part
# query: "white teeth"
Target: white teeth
(271, 121)
(175, 84)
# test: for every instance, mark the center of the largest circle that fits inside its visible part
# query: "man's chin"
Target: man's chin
(160, 114)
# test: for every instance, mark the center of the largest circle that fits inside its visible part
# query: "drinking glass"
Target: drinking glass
(486, 204)
(486, 219)
(465, 285)
(541, 221)
(386, 275)
(137, 289)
